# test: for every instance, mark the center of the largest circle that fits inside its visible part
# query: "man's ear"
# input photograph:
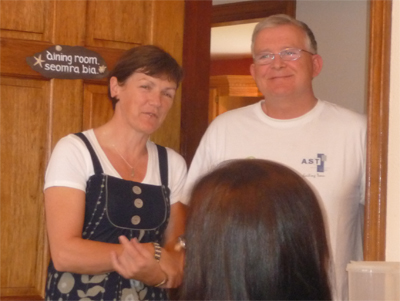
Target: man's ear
(317, 64)
(252, 71)
(114, 86)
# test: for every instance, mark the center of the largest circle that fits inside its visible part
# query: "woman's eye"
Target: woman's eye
(145, 87)
(168, 95)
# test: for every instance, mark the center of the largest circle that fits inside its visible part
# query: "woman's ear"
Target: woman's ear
(114, 87)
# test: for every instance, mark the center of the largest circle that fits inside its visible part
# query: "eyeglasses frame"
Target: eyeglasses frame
(279, 53)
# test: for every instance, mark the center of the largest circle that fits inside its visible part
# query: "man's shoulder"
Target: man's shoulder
(343, 114)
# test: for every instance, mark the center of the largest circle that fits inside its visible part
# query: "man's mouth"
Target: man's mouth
(279, 77)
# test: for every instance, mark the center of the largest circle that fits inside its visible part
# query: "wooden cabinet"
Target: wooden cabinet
(36, 112)
(229, 92)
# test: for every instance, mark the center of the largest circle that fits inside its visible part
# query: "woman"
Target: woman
(255, 232)
(112, 183)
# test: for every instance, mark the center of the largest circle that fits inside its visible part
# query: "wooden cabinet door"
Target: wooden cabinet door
(36, 112)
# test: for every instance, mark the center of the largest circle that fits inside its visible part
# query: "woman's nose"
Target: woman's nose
(155, 98)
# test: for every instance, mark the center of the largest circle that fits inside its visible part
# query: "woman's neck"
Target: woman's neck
(125, 150)
(127, 141)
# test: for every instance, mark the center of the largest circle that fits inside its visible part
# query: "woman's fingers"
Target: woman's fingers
(142, 249)
(137, 262)
(118, 266)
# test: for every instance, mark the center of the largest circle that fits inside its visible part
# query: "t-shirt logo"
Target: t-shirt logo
(319, 162)
(321, 165)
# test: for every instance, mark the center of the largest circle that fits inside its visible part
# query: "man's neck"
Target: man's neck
(288, 108)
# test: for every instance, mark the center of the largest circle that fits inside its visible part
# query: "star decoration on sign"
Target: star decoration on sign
(39, 61)
(102, 69)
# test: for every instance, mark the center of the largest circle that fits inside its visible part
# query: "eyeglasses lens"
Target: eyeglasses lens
(289, 54)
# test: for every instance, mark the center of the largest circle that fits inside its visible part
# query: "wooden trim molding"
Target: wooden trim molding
(377, 137)
(235, 85)
(250, 11)
(196, 63)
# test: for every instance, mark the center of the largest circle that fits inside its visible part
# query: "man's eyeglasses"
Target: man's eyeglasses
(288, 54)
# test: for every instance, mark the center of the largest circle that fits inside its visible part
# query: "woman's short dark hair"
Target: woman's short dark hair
(255, 231)
(149, 59)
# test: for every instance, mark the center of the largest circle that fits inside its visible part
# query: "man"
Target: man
(320, 140)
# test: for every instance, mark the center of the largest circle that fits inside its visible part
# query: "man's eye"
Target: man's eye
(288, 52)
(266, 56)
(145, 87)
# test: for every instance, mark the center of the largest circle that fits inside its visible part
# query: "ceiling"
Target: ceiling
(233, 40)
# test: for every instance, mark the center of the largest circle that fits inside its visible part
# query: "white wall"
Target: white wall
(393, 205)
(341, 30)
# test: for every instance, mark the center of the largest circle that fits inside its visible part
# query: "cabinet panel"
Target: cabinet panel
(97, 108)
(24, 150)
(13, 57)
(27, 19)
(119, 24)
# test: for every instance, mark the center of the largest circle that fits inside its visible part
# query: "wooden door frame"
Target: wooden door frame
(378, 128)
(196, 63)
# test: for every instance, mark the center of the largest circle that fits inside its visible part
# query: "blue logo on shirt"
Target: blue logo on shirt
(321, 165)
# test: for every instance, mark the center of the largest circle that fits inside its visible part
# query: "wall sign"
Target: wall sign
(68, 62)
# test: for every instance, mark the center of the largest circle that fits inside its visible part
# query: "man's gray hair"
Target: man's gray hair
(282, 19)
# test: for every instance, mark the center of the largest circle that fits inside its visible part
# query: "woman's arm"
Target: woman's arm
(172, 261)
(65, 212)
(176, 226)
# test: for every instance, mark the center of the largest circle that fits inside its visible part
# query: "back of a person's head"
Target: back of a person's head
(255, 232)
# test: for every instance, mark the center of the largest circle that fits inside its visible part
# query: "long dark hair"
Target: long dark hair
(255, 231)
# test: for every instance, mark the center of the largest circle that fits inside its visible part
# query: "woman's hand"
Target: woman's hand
(172, 264)
(137, 262)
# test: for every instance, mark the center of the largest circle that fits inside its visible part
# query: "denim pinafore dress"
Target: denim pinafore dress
(115, 207)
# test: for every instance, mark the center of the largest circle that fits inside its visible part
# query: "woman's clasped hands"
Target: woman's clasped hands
(137, 261)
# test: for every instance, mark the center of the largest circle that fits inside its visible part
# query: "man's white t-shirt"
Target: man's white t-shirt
(326, 146)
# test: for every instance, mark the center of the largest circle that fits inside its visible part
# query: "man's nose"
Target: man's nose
(277, 62)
